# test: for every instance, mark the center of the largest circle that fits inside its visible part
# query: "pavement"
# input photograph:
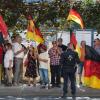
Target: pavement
(31, 91)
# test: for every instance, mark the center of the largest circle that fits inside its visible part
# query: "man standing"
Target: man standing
(68, 62)
(19, 54)
(61, 45)
(54, 54)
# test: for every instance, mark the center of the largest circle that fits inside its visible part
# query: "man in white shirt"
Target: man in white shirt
(18, 54)
(43, 66)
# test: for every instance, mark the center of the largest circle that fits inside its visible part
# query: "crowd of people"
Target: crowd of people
(38, 60)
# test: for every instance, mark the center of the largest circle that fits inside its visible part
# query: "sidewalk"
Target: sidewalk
(25, 90)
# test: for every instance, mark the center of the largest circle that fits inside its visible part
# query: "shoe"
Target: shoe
(59, 86)
(46, 86)
(53, 85)
(73, 97)
(42, 87)
(15, 84)
(64, 95)
(9, 84)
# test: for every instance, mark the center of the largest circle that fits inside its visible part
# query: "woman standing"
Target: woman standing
(31, 70)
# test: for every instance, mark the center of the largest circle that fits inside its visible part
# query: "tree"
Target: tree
(49, 14)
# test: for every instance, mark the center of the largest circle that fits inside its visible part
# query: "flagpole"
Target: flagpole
(70, 25)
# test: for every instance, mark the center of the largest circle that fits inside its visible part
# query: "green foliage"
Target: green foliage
(49, 14)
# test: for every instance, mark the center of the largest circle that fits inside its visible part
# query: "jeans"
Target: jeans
(44, 75)
(69, 76)
(18, 65)
(55, 74)
(81, 67)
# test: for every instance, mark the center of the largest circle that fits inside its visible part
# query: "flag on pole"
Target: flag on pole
(75, 16)
(33, 33)
(3, 27)
(74, 42)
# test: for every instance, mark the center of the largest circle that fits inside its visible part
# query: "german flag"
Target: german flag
(74, 16)
(74, 42)
(34, 33)
(92, 68)
(3, 28)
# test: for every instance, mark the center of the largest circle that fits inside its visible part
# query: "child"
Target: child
(8, 63)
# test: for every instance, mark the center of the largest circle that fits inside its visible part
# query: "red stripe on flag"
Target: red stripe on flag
(91, 68)
(3, 27)
(73, 39)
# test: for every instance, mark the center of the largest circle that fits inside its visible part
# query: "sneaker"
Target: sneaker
(42, 86)
(64, 95)
(53, 85)
(15, 84)
(46, 86)
(59, 86)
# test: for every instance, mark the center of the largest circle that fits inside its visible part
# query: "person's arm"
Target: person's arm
(18, 52)
(15, 49)
(59, 50)
(61, 59)
(44, 60)
(34, 56)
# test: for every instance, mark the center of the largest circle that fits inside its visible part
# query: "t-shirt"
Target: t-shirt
(8, 56)
(18, 47)
(63, 47)
(45, 56)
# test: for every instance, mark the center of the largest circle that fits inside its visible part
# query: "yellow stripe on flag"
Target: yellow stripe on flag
(78, 50)
(76, 19)
(92, 82)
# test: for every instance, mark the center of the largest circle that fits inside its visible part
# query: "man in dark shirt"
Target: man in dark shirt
(68, 61)
(61, 45)
(63, 48)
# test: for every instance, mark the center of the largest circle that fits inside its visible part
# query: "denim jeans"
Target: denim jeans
(81, 67)
(44, 75)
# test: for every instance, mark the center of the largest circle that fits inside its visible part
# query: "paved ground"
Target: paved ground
(25, 92)
(45, 98)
